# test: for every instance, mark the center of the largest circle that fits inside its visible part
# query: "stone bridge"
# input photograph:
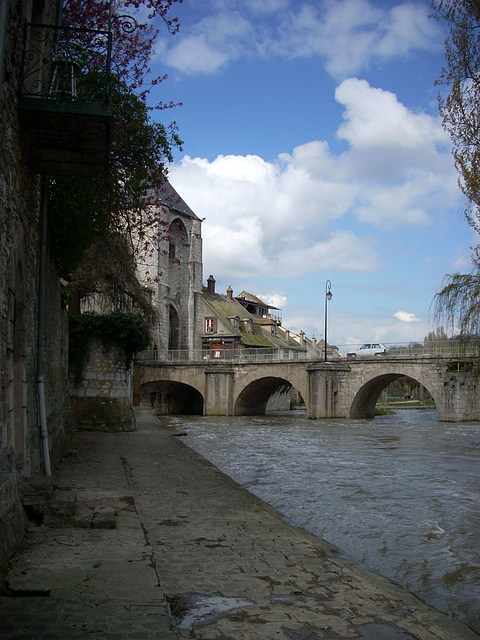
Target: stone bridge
(342, 388)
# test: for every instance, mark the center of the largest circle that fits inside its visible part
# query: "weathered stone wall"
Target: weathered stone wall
(21, 456)
(102, 400)
(18, 210)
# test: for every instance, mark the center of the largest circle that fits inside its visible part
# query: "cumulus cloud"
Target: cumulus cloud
(374, 117)
(404, 316)
(348, 35)
(312, 209)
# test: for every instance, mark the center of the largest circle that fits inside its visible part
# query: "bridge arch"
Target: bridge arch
(169, 397)
(252, 400)
(254, 388)
(365, 397)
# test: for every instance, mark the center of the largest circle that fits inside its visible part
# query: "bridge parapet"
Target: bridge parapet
(447, 348)
(207, 357)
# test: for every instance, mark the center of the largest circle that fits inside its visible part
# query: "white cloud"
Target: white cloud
(313, 210)
(277, 300)
(349, 35)
(208, 45)
(196, 55)
(404, 316)
(343, 251)
(407, 27)
(374, 117)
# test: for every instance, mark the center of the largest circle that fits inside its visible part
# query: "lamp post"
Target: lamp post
(328, 297)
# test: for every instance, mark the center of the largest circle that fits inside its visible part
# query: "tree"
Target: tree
(457, 303)
(97, 225)
(132, 41)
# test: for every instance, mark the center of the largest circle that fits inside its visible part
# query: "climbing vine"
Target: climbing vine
(122, 329)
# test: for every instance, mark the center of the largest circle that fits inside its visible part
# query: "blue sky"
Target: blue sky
(314, 151)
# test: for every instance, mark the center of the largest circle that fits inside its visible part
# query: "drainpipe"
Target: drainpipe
(41, 326)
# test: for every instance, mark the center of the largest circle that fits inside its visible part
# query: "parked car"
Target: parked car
(368, 349)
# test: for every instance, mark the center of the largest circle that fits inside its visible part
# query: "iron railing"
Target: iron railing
(450, 348)
(66, 64)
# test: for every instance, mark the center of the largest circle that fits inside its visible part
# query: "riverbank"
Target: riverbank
(146, 539)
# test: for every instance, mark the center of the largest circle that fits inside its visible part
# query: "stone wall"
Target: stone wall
(102, 400)
(21, 454)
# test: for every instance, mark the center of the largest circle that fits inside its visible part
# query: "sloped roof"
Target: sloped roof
(224, 309)
(249, 297)
(170, 198)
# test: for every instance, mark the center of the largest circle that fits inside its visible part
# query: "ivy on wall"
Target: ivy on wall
(126, 330)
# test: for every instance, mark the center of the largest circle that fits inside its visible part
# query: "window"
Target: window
(171, 251)
(210, 325)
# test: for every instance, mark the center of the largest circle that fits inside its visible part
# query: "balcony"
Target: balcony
(63, 104)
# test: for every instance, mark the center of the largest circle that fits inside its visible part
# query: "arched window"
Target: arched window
(177, 239)
(174, 330)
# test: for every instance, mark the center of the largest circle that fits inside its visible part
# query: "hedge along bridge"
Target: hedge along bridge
(340, 388)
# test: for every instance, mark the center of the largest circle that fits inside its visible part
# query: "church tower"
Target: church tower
(175, 281)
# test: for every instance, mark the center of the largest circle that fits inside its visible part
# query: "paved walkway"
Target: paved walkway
(148, 540)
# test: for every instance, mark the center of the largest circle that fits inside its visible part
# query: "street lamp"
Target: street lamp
(328, 296)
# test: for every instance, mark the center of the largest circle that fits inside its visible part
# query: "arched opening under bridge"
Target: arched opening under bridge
(254, 399)
(172, 398)
(365, 400)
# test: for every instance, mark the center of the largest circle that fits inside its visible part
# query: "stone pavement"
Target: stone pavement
(145, 539)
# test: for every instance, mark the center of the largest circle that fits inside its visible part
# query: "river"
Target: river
(399, 495)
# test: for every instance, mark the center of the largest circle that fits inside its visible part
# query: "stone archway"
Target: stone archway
(365, 400)
(253, 399)
(167, 397)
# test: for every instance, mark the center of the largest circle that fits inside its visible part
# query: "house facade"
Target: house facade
(232, 323)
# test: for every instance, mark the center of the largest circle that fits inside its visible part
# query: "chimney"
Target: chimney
(211, 285)
(230, 293)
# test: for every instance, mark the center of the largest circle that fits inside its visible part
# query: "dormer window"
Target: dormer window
(235, 320)
(248, 324)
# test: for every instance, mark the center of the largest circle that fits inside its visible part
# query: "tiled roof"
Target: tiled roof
(224, 309)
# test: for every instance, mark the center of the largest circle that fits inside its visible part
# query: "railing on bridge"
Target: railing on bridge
(225, 355)
(453, 348)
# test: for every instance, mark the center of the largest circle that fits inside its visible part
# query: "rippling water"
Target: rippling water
(399, 495)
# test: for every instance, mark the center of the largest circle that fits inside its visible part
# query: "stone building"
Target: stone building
(174, 277)
(40, 131)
